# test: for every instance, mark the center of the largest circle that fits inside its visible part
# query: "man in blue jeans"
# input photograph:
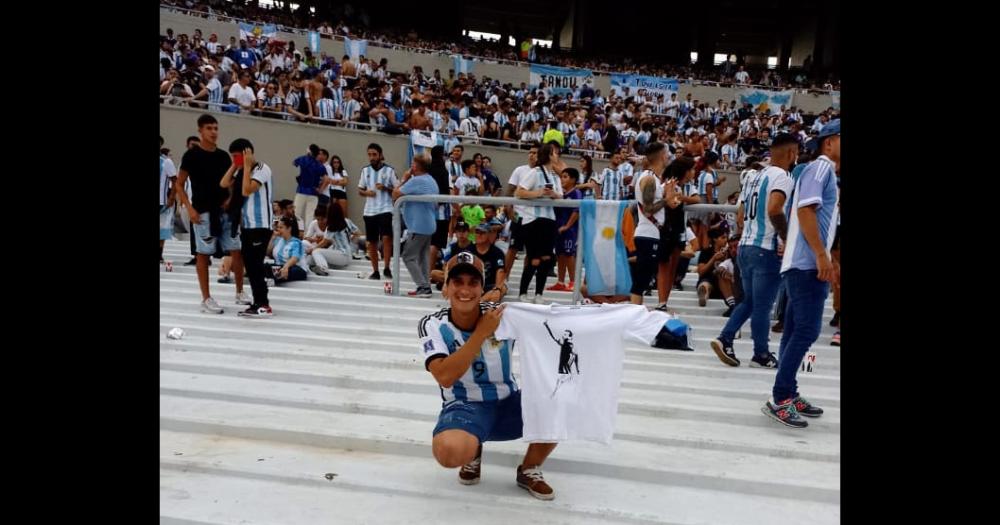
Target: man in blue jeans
(420, 218)
(807, 270)
(760, 213)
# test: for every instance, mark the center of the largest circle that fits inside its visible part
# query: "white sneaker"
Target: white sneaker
(524, 299)
(538, 299)
(319, 270)
(243, 298)
(209, 306)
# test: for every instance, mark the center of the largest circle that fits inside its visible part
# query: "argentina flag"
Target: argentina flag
(355, 48)
(462, 65)
(314, 42)
(604, 257)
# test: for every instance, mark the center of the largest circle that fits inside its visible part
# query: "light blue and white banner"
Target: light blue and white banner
(257, 31)
(355, 48)
(462, 65)
(654, 86)
(314, 42)
(421, 143)
(835, 97)
(771, 100)
(559, 80)
(604, 256)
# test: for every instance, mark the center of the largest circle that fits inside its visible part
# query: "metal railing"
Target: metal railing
(225, 107)
(505, 201)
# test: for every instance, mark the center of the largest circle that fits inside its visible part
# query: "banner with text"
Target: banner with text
(559, 80)
(654, 86)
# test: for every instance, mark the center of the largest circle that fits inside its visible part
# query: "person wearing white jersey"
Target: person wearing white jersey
(338, 181)
(708, 179)
(538, 223)
(251, 180)
(760, 214)
(481, 399)
(167, 175)
(514, 212)
(730, 152)
(376, 183)
(610, 182)
(807, 270)
(653, 197)
(212, 90)
(454, 165)
(326, 107)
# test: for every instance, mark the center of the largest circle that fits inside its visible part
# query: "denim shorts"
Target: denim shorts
(487, 420)
(204, 241)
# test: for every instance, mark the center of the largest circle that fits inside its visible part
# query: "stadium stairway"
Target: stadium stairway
(323, 414)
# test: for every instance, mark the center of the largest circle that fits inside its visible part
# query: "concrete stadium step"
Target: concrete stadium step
(795, 479)
(420, 401)
(291, 328)
(639, 373)
(636, 399)
(319, 306)
(184, 313)
(252, 411)
(237, 480)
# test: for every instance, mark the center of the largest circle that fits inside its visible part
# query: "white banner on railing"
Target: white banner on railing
(835, 96)
(462, 65)
(559, 80)
(653, 85)
(770, 101)
(355, 48)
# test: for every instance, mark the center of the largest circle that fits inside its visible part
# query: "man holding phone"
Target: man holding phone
(252, 180)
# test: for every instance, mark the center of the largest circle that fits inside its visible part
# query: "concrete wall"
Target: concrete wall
(404, 61)
(278, 142)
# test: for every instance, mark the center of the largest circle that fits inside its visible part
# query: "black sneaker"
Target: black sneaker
(374, 276)
(725, 352)
(439, 286)
(386, 273)
(679, 287)
(805, 408)
(784, 413)
(764, 361)
(257, 312)
(836, 319)
(192, 262)
(778, 327)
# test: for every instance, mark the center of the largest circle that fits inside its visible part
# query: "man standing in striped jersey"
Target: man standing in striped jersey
(377, 182)
(760, 213)
(482, 401)
(807, 270)
(611, 181)
(212, 88)
(251, 180)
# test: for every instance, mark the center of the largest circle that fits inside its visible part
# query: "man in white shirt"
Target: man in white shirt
(517, 240)
(241, 93)
(742, 76)
(672, 106)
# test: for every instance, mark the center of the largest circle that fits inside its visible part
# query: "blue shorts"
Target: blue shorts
(566, 243)
(204, 241)
(487, 420)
